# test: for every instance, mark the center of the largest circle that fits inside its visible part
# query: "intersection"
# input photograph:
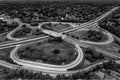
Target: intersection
(55, 69)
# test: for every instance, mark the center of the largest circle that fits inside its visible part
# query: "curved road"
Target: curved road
(47, 66)
(75, 26)
(110, 39)
(54, 68)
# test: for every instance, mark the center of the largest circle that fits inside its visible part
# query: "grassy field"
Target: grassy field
(5, 54)
(3, 38)
(51, 53)
(27, 32)
(56, 26)
(89, 35)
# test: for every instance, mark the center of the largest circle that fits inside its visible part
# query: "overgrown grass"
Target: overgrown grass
(5, 54)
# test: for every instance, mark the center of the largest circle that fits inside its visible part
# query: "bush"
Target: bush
(56, 51)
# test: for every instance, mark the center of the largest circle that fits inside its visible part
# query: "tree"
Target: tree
(28, 48)
(77, 37)
(96, 55)
(101, 56)
(112, 65)
(24, 26)
(117, 42)
(89, 57)
(34, 23)
(90, 51)
(56, 39)
(38, 32)
(56, 51)
(73, 36)
(78, 75)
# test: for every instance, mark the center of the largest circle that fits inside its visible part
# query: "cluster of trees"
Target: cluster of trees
(53, 12)
(86, 74)
(55, 26)
(117, 41)
(25, 31)
(92, 56)
(96, 36)
(55, 39)
(5, 26)
(25, 74)
(92, 35)
(34, 23)
(4, 38)
(37, 32)
(30, 53)
(22, 32)
(48, 26)
(111, 65)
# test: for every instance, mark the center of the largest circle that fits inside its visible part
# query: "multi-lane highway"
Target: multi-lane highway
(48, 68)
(79, 26)
(75, 26)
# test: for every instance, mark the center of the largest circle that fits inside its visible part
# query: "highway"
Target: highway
(106, 52)
(77, 26)
(55, 69)
(23, 41)
(18, 40)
